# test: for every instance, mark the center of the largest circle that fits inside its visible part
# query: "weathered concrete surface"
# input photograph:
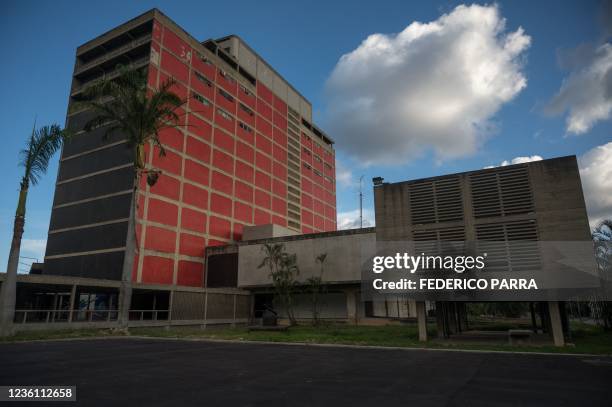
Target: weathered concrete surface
(136, 372)
(342, 265)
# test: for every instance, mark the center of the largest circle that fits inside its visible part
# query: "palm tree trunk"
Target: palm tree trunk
(125, 291)
(8, 295)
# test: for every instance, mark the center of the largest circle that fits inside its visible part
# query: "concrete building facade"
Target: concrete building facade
(536, 201)
(247, 154)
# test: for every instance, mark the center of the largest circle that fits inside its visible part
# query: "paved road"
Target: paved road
(138, 372)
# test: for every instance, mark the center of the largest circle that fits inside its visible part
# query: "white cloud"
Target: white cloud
(344, 176)
(350, 219)
(34, 248)
(596, 174)
(434, 86)
(587, 93)
(517, 160)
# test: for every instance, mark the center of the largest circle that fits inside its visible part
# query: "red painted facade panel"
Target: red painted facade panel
(265, 93)
(162, 212)
(243, 191)
(261, 217)
(279, 206)
(196, 172)
(222, 183)
(221, 205)
(191, 245)
(262, 199)
(166, 186)
(245, 152)
(193, 220)
(177, 69)
(244, 171)
(220, 227)
(157, 270)
(223, 141)
(243, 212)
(171, 162)
(196, 196)
(263, 181)
(223, 161)
(198, 149)
(190, 273)
(160, 239)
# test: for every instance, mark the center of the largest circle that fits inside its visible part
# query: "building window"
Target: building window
(245, 90)
(317, 158)
(202, 79)
(204, 59)
(201, 99)
(318, 173)
(224, 114)
(246, 110)
(244, 127)
(329, 167)
(226, 95)
(227, 76)
(307, 151)
(307, 166)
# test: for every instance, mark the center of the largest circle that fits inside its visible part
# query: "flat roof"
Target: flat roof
(482, 170)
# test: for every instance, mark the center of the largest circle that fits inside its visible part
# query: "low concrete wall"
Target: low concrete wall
(342, 265)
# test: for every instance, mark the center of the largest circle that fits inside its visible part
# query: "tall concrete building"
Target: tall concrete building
(247, 153)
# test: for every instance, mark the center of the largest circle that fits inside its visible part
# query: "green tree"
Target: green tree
(127, 106)
(315, 287)
(602, 236)
(41, 146)
(283, 270)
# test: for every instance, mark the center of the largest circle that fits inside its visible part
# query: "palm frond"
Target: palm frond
(41, 146)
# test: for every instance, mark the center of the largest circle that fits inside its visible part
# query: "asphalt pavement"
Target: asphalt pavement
(157, 372)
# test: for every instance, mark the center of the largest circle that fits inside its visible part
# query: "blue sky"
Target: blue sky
(304, 42)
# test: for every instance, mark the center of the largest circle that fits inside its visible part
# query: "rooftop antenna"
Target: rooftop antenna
(360, 203)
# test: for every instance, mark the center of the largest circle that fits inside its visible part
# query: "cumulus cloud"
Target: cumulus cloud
(434, 86)
(586, 94)
(517, 160)
(34, 247)
(350, 219)
(596, 174)
(344, 176)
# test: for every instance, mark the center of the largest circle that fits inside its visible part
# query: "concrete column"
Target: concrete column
(555, 323)
(351, 305)
(422, 320)
(72, 305)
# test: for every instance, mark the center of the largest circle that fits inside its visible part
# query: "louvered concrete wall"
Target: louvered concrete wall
(541, 200)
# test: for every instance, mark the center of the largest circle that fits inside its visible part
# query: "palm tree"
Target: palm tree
(283, 269)
(602, 236)
(125, 105)
(35, 157)
(315, 287)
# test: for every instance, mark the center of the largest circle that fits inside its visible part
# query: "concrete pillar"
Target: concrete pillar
(351, 305)
(555, 323)
(422, 320)
(72, 304)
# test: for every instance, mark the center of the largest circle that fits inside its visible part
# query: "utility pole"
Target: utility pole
(360, 203)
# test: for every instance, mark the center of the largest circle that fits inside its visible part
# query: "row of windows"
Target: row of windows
(317, 172)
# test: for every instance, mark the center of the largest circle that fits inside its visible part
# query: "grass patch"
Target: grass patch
(586, 339)
(61, 334)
